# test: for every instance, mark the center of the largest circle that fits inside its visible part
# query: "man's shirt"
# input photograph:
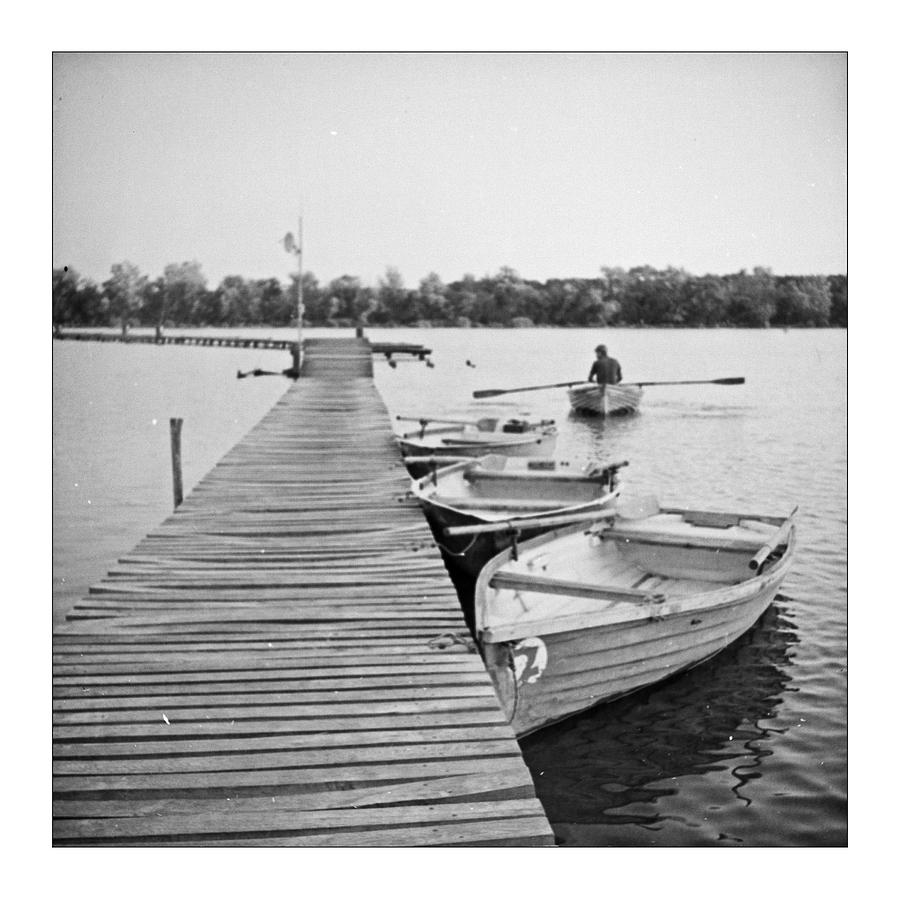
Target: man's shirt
(606, 371)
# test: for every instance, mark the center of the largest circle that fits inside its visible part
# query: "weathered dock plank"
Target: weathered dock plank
(269, 667)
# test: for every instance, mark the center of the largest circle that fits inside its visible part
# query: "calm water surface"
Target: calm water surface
(749, 749)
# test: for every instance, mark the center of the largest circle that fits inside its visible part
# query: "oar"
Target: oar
(531, 522)
(709, 381)
(487, 423)
(773, 542)
(494, 392)
(539, 387)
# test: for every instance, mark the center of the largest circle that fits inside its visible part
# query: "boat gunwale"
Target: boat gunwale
(629, 387)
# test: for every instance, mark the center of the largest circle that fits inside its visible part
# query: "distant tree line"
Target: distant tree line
(618, 297)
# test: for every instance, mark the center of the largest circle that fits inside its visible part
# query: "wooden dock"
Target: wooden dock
(283, 661)
(388, 348)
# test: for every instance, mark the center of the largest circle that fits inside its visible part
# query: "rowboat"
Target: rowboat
(579, 616)
(477, 507)
(605, 399)
(508, 437)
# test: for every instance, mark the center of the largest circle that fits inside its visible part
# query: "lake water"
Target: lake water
(749, 749)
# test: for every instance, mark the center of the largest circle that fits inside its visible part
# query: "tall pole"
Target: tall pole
(300, 294)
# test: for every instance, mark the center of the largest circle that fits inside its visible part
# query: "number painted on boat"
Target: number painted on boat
(530, 660)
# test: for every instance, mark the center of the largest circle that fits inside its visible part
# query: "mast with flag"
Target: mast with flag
(296, 247)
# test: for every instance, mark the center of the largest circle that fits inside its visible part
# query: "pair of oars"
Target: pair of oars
(495, 392)
(485, 424)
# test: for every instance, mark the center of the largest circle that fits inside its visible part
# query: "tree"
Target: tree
(351, 301)
(596, 310)
(122, 291)
(462, 299)
(76, 301)
(393, 301)
(151, 306)
(561, 302)
(91, 308)
(751, 300)
(65, 293)
(185, 285)
(237, 301)
(642, 295)
(432, 303)
(837, 285)
(704, 301)
(652, 296)
(274, 304)
(208, 309)
(506, 296)
(802, 301)
(317, 308)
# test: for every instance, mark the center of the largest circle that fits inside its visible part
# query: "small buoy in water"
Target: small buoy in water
(470, 363)
(429, 363)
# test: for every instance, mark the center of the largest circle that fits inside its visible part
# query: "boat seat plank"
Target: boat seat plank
(664, 539)
(544, 585)
(715, 519)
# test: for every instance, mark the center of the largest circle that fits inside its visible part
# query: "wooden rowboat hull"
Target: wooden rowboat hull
(531, 444)
(545, 671)
(595, 665)
(494, 489)
(609, 400)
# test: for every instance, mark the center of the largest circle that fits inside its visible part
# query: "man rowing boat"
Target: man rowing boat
(605, 369)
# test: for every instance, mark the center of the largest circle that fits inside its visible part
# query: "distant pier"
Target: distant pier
(388, 348)
(283, 661)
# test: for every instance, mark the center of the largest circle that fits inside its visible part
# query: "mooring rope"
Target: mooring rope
(450, 639)
(462, 552)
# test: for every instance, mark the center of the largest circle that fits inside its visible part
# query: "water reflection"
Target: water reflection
(602, 437)
(611, 765)
(601, 424)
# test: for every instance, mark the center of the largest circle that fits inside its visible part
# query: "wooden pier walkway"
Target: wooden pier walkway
(266, 668)
(388, 348)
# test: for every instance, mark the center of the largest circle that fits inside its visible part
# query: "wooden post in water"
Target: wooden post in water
(175, 435)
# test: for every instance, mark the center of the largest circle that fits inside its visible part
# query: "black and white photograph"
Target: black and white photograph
(450, 449)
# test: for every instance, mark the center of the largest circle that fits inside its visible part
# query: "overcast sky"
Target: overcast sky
(554, 164)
